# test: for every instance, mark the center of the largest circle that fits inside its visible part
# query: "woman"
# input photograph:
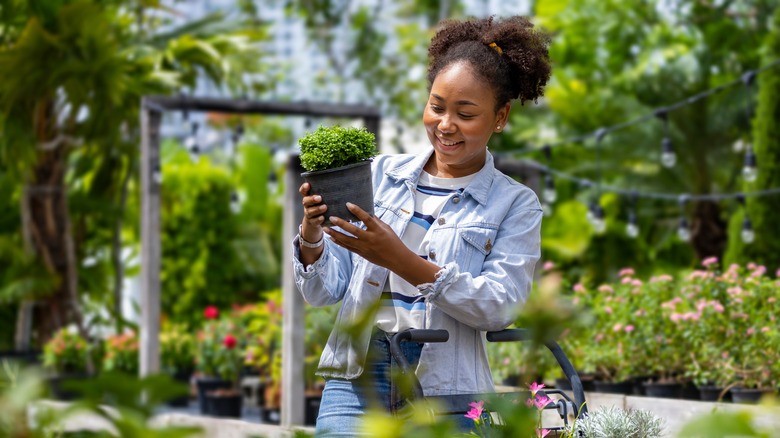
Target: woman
(453, 241)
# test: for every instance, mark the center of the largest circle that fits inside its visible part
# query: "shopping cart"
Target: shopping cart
(459, 404)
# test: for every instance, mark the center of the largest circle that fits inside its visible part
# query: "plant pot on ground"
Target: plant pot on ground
(207, 384)
(338, 167)
(225, 403)
(750, 395)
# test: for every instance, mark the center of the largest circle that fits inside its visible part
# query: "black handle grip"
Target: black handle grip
(508, 335)
(428, 335)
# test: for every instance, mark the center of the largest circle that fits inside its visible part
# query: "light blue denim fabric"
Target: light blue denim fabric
(487, 242)
(345, 401)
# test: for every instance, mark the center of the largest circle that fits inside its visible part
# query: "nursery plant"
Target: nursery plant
(337, 160)
(336, 146)
(66, 352)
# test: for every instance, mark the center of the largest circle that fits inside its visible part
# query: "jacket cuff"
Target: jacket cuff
(443, 279)
(312, 270)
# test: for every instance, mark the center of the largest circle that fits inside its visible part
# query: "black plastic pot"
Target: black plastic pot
(184, 400)
(224, 405)
(206, 385)
(749, 395)
(340, 185)
(664, 390)
(714, 393)
(625, 387)
(64, 387)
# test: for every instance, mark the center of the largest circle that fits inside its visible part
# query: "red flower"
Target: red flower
(229, 341)
(211, 312)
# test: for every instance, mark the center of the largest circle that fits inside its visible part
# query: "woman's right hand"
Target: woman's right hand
(313, 215)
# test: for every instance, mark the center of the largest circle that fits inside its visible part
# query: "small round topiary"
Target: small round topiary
(335, 146)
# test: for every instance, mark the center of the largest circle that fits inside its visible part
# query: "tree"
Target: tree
(766, 144)
(73, 75)
(615, 61)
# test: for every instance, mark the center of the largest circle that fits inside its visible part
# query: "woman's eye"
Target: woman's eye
(436, 109)
(466, 116)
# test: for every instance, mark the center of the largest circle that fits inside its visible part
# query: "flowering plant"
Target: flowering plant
(66, 352)
(264, 335)
(219, 348)
(177, 350)
(121, 353)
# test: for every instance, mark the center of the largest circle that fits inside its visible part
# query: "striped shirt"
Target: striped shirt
(403, 306)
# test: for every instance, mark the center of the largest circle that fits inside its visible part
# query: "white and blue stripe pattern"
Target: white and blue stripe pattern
(403, 306)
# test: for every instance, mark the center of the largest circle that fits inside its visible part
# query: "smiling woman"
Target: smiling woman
(452, 244)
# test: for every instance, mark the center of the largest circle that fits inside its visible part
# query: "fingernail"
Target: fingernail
(333, 219)
(318, 198)
(349, 204)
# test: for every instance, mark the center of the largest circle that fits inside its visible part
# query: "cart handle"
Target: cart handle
(519, 334)
(414, 335)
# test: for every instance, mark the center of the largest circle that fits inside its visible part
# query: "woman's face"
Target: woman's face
(459, 118)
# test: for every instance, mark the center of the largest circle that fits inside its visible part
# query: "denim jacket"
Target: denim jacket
(487, 242)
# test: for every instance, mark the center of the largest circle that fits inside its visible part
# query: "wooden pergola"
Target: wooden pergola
(152, 108)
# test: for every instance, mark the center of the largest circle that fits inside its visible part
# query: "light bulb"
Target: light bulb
(747, 234)
(750, 169)
(157, 175)
(632, 230)
(549, 193)
(597, 219)
(547, 210)
(749, 173)
(668, 157)
(682, 230)
(195, 153)
(235, 203)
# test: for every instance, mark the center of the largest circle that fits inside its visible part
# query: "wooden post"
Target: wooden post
(293, 323)
(150, 242)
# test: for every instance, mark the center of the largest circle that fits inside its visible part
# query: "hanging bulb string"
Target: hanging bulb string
(746, 77)
(585, 183)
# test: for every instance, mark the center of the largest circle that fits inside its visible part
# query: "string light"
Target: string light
(549, 193)
(683, 231)
(750, 169)
(668, 157)
(746, 233)
(191, 142)
(596, 218)
(157, 175)
(235, 202)
(632, 230)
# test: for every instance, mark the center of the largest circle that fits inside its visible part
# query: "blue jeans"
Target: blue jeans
(344, 402)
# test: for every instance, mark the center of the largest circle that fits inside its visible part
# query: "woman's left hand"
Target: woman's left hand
(378, 243)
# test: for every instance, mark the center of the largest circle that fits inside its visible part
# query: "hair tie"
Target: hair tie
(495, 47)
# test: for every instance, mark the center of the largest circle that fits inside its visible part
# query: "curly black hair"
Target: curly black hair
(508, 52)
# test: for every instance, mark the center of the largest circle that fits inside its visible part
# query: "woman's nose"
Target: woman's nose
(445, 125)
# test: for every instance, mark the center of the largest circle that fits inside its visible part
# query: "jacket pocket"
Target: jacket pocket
(478, 244)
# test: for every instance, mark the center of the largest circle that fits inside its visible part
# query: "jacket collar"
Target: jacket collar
(478, 189)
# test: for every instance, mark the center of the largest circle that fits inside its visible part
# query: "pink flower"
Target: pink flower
(476, 410)
(629, 328)
(718, 307)
(777, 273)
(751, 266)
(541, 433)
(548, 265)
(640, 312)
(625, 280)
(211, 312)
(599, 337)
(606, 288)
(750, 331)
(771, 300)
(541, 402)
(608, 310)
(636, 282)
(617, 327)
(764, 329)
(759, 271)
(709, 261)
(536, 387)
(626, 272)
(579, 288)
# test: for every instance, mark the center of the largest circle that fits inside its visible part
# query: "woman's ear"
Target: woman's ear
(502, 116)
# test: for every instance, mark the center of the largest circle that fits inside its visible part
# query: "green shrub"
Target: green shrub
(330, 147)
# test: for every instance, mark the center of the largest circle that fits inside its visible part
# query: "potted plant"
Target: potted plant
(338, 164)
(65, 357)
(264, 344)
(177, 356)
(227, 402)
(210, 356)
(121, 353)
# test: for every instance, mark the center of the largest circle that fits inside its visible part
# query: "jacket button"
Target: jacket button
(442, 221)
(455, 200)
(431, 255)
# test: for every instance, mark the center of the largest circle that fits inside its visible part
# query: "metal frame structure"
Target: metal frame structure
(152, 108)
